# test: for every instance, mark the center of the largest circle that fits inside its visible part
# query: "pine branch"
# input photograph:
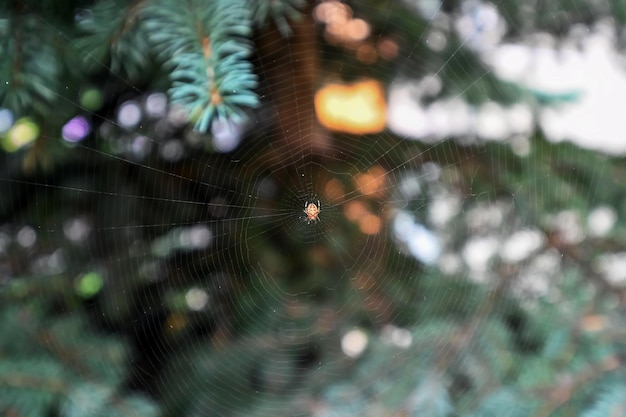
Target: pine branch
(205, 44)
(112, 38)
(30, 65)
(33, 382)
(56, 362)
(277, 10)
(610, 403)
(560, 394)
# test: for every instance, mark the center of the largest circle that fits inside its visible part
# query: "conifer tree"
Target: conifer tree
(101, 325)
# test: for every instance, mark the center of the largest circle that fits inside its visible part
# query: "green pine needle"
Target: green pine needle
(206, 46)
(280, 11)
(112, 38)
(30, 67)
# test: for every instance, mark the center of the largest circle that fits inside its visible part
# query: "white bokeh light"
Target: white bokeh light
(396, 336)
(26, 237)
(226, 135)
(129, 114)
(521, 244)
(197, 237)
(613, 267)
(588, 78)
(77, 230)
(196, 299)
(478, 251)
(354, 342)
(422, 243)
(601, 220)
(156, 105)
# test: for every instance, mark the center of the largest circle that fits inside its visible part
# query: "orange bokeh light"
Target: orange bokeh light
(388, 48)
(358, 108)
(334, 190)
(371, 183)
(370, 224)
(332, 13)
(355, 210)
(366, 53)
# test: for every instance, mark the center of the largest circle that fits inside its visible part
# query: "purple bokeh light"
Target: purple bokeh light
(76, 129)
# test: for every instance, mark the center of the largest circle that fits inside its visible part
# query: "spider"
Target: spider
(312, 211)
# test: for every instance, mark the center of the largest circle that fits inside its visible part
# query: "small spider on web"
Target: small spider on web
(312, 211)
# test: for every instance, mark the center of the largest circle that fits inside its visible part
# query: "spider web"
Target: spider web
(208, 262)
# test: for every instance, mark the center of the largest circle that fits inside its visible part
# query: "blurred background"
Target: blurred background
(466, 159)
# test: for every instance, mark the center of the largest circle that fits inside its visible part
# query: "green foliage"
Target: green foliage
(278, 11)
(610, 402)
(439, 344)
(471, 79)
(205, 45)
(31, 67)
(255, 376)
(480, 368)
(112, 38)
(504, 403)
(54, 363)
(92, 400)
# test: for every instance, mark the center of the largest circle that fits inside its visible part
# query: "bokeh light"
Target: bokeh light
(89, 284)
(227, 135)
(420, 242)
(601, 220)
(6, 120)
(197, 299)
(172, 150)
(356, 108)
(26, 237)
(129, 114)
(354, 342)
(91, 99)
(23, 133)
(156, 105)
(76, 129)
